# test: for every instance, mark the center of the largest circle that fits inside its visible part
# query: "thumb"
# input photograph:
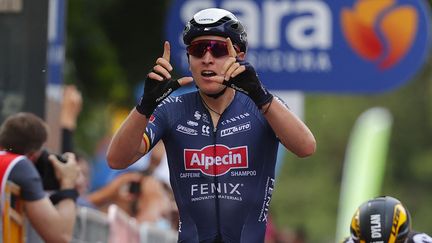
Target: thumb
(185, 80)
(54, 161)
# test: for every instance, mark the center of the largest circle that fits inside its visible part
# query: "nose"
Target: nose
(208, 57)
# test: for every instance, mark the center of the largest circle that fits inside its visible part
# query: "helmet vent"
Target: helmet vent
(234, 26)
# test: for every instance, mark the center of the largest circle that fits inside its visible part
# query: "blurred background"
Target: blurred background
(109, 46)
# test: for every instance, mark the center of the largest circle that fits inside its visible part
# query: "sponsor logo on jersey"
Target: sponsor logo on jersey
(192, 123)
(216, 160)
(190, 175)
(170, 99)
(223, 190)
(205, 130)
(236, 129)
(243, 173)
(197, 115)
(201, 116)
(152, 118)
(267, 198)
(235, 118)
(186, 130)
(205, 118)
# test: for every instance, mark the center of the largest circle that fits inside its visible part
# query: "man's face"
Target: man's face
(210, 64)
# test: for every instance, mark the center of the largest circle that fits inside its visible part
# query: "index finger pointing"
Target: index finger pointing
(231, 51)
(167, 51)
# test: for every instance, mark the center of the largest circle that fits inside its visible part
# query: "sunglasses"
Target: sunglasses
(215, 47)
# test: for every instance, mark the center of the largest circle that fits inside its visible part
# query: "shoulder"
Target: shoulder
(27, 177)
(245, 104)
(417, 237)
(23, 168)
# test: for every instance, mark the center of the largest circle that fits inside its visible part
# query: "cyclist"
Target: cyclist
(221, 141)
(384, 219)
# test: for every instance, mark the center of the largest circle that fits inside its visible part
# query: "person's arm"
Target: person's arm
(56, 223)
(71, 108)
(127, 146)
(290, 130)
(107, 194)
(52, 224)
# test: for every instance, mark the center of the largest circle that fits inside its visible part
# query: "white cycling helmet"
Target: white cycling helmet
(216, 21)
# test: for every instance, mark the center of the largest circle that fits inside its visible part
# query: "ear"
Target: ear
(33, 155)
(241, 56)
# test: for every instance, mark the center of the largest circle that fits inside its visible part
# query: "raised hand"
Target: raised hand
(159, 83)
(241, 76)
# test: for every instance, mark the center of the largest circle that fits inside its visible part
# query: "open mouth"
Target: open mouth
(208, 73)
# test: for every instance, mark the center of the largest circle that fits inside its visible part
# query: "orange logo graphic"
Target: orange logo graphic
(380, 30)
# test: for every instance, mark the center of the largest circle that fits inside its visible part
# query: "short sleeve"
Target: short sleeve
(155, 128)
(25, 175)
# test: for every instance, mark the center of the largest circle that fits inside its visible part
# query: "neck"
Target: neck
(219, 104)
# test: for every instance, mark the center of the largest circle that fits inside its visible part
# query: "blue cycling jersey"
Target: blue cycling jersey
(223, 176)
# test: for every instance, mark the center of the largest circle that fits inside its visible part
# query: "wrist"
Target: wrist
(64, 194)
(266, 107)
(66, 184)
(142, 108)
(262, 97)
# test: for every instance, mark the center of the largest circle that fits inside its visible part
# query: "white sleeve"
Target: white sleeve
(422, 238)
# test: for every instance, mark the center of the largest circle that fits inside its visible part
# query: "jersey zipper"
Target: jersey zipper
(216, 182)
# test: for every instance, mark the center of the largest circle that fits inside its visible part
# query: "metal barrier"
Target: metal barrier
(94, 226)
(151, 234)
(123, 228)
(91, 226)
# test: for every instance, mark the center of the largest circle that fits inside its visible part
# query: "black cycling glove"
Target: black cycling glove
(154, 92)
(248, 83)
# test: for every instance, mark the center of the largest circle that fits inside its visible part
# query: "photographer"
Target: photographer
(21, 138)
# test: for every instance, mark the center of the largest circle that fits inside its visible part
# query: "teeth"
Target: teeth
(208, 73)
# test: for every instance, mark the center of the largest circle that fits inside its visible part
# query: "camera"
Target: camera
(46, 171)
(135, 186)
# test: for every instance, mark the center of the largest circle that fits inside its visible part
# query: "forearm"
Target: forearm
(67, 212)
(100, 197)
(290, 130)
(125, 144)
(53, 224)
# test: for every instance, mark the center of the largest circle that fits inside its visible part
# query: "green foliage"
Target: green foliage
(111, 45)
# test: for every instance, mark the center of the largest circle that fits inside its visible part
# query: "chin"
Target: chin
(211, 89)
